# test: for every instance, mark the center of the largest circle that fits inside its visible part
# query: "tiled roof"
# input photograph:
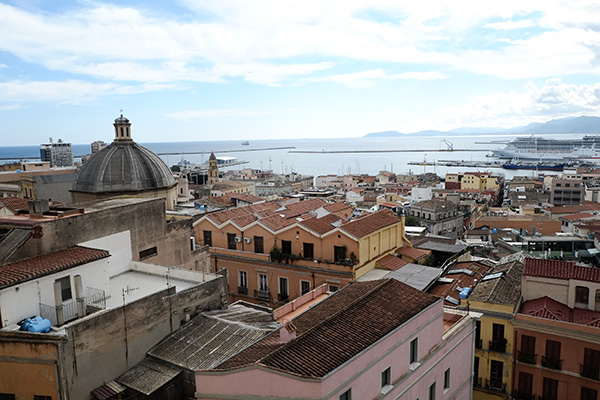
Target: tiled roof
(337, 329)
(302, 207)
(336, 207)
(319, 225)
(560, 270)
(505, 289)
(276, 222)
(573, 209)
(413, 252)
(391, 262)
(370, 223)
(31, 268)
(459, 279)
(14, 203)
(578, 216)
(548, 308)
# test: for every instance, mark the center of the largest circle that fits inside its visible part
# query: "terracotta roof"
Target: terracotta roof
(548, 308)
(503, 289)
(302, 207)
(370, 223)
(573, 209)
(578, 216)
(276, 222)
(560, 270)
(391, 262)
(337, 329)
(413, 252)
(14, 203)
(462, 279)
(31, 268)
(319, 225)
(336, 207)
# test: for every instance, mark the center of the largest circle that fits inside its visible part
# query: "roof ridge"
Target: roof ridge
(323, 321)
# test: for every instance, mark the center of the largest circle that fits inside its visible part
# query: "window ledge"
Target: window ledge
(386, 389)
(414, 366)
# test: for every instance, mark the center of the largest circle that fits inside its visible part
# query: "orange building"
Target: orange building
(275, 253)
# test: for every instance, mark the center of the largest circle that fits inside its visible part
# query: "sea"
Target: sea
(340, 156)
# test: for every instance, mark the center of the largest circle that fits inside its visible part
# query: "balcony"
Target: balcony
(263, 294)
(588, 371)
(527, 358)
(478, 382)
(523, 396)
(552, 363)
(496, 386)
(95, 300)
(242, 290)
(478, 343)
(498, 345)
(284, 297)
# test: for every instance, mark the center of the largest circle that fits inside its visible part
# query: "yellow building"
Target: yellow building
(481, 181)
(496, 297)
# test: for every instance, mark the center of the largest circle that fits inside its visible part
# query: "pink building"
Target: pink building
(377, 339)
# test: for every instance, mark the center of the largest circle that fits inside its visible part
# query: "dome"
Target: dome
(121, 120)
(123, 167)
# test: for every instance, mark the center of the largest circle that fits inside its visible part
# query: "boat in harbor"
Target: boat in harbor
(245, 143)
(541, 149)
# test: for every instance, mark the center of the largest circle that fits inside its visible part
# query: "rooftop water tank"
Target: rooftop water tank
(464, 293)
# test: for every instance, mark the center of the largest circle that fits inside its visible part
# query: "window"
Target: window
(207, 238)
(386, 377)
(447, 379)
(432, 391)
(551, 358)
(478, 334)
(304, 287)
(37, 397)
(476, 371)
(148, 253)
(6, 396)
(339, 253)
(527, 353)
(231, 241)
(414, 350)
(550, 389)
(309, 250)
(333, 288)
(262, 282)
(243, 281)
(591, 364)
(525, 385)
(582, 295)
(65, 289)
(347, 395)
(258, 244)
(498, 342)
(588, 394)
(496, 368)
(283, 289)
(286, 247)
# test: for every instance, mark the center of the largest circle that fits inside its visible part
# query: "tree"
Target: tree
(411, 221)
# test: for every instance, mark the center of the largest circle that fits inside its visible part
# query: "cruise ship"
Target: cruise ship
(538, 148)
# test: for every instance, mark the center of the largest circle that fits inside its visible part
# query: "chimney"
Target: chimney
(37, 208)
(287, 332)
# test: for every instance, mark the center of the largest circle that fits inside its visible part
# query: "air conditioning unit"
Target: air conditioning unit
(247, 240)
(238, 239)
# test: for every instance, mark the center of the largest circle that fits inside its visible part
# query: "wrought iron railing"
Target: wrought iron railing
(263, 294)
(498, 345)
(588, 371)
(478, 343)
(283, 297)
(495, 385)
(95, 297)
(553, 363)
(523, 396)
(528, 358)
(242, 290)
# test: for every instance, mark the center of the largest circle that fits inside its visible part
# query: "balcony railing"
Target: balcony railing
(478, 382)
(590, 372)
(523, 396)
(528, 358)
(242, 290)
(552, 363)
(478, 343)
(498, 345)
(495, 385)
(283, 297)
(95, 300)
(263, 294)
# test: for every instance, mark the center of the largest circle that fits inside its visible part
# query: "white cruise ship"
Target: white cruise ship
(537, 148)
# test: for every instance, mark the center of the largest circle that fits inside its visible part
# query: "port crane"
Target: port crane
(449, 144)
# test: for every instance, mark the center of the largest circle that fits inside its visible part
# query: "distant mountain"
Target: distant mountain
(582, 124)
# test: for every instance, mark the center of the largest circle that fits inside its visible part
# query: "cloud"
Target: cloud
(534, 104)
(200, 114)
(66, 92)
(509, 25)
(369, 78)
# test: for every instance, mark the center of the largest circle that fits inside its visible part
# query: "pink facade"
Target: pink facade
(445, 344)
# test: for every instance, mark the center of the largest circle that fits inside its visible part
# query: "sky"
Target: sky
(196, 70)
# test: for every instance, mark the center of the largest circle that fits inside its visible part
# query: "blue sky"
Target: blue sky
(233, 70)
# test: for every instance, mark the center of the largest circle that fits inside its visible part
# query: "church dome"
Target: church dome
(123, 166)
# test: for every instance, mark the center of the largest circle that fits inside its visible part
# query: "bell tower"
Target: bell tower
(122, 129)
(213, 170)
